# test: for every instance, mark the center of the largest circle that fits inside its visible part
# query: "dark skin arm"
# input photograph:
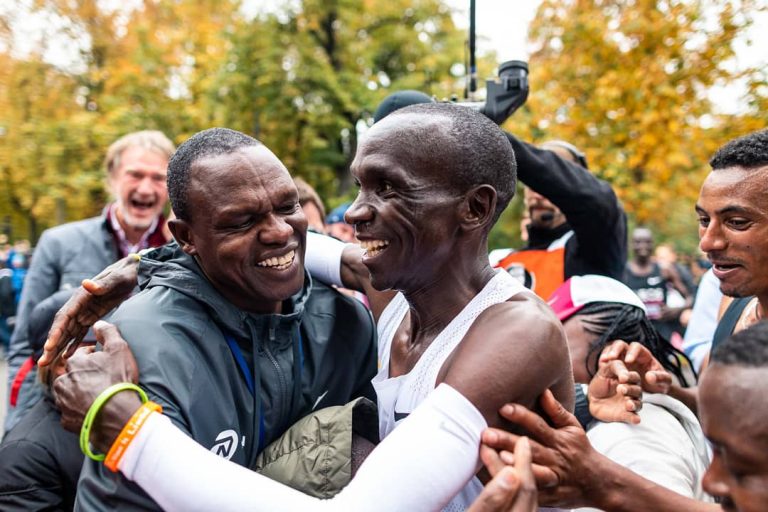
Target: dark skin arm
(94, 299)
(570, 473)
(519, 343)
(88, 374)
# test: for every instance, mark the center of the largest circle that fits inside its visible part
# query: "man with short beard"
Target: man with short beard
(136, 166)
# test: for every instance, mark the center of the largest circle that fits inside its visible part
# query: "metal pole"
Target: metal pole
(472, 64)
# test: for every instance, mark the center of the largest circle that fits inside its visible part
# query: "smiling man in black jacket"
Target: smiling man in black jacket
(231, 335)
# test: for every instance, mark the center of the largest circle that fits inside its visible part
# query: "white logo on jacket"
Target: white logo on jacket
(226, 444)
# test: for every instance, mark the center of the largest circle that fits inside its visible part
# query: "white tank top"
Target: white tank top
(399, 396)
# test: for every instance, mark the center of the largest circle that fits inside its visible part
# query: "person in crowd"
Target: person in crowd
(663, 440)
(733, 390)
(733, 228)
(666, 255)
(40, 462)
(653, 282)
(733, 233)
(314, 209)
(455, 321)
(136, 170)
(337, 227)
(577, 225)
(566, 219)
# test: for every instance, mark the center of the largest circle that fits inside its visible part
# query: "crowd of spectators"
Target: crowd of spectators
(375, 356)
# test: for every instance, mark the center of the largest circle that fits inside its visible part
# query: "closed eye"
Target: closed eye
(289, 208)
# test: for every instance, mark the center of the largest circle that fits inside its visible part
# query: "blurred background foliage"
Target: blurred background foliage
(628, 81)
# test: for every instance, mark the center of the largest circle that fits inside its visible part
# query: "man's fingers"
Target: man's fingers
(633, 406)
(661, 379)
(557, 413)
(94, 286)
(638, 354)
(526, 498)
(108, 335)
(499, 439)
(614, 350)
(491, 459)
(615, 369)
(523, 455)
(498, 494)
(530, 421)
(633, 391)
(505, 444)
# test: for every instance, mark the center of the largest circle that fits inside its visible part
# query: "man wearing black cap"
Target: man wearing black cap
(577, 225)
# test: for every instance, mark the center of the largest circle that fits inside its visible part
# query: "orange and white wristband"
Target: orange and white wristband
(118, 448)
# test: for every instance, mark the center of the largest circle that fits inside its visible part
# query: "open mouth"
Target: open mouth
(722, 270)
(278, 262)
(142, 205)
(373, 247)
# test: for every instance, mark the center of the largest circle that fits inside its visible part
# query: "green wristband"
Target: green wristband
(90, 416)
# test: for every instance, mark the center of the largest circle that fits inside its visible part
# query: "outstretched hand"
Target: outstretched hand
(94, 299)
(88, 374)
(564, 462)
(615, 393)
(513, 488)
(637, 358)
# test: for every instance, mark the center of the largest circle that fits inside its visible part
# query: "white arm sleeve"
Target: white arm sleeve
(323, 258)
(428, 458)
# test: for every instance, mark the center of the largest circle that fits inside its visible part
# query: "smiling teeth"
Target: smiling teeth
(278, 262)
(373, 247)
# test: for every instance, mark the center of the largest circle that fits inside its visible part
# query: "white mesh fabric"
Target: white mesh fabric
(404, 393)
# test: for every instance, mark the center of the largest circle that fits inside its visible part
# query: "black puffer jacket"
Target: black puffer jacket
(321, 352)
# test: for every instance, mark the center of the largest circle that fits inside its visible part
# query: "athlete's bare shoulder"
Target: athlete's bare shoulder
(513, 351)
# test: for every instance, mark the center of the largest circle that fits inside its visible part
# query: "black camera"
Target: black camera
(505, 96)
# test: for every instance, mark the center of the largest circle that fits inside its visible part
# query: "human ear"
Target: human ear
(183, 235)
(478, 207)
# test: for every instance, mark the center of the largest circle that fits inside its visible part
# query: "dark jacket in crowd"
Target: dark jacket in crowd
(595, 234)
(39, 463)
(321, 351)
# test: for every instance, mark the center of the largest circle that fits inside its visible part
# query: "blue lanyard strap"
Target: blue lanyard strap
(249, 381)
(249, 378)
(235, 348)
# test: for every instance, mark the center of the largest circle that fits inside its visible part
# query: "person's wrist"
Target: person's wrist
(604, 490)
(591, 480)
(112, 418)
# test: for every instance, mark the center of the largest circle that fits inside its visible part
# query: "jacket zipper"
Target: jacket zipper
(283, 386)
